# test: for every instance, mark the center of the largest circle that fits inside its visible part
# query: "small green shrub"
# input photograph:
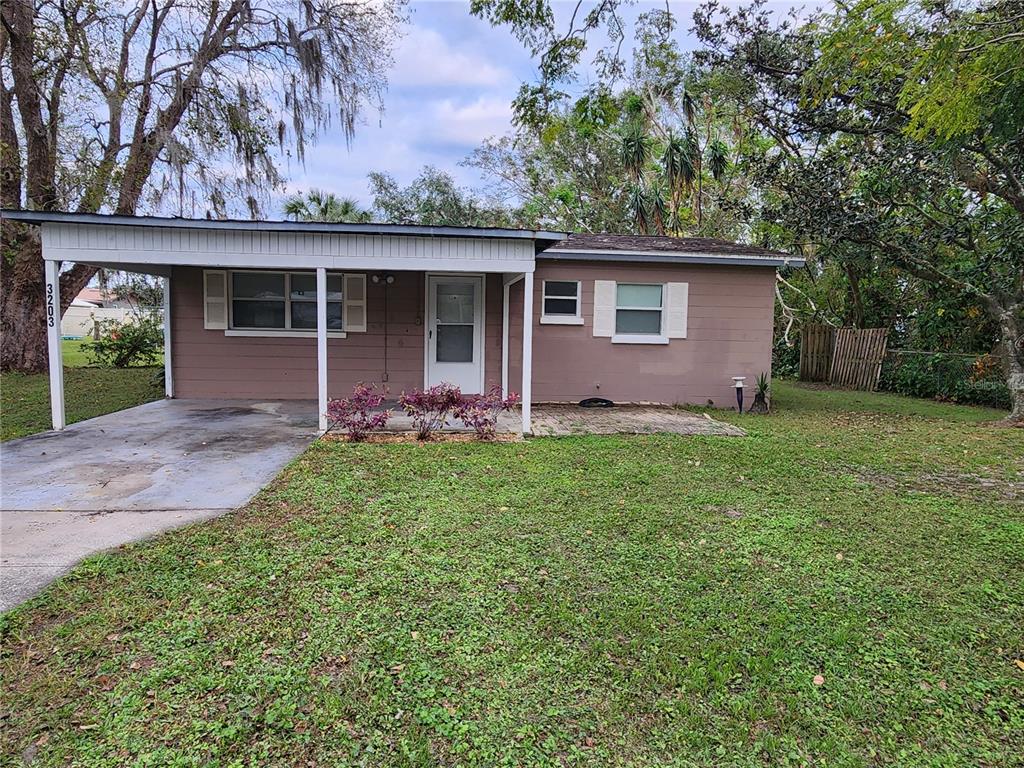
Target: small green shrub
(994, 394)
(946, 377)
(785, 360)
(122, 344)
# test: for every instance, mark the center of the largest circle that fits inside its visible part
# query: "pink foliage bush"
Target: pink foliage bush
(430, 409)
(481, 411)
(359, 414)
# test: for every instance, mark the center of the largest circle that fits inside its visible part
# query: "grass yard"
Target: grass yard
(76, 355)
(840, 588)
(88, 392)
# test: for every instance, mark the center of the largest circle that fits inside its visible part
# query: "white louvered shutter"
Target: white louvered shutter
(215, 299)
(354, 298)
(678, 305)
(604, 308)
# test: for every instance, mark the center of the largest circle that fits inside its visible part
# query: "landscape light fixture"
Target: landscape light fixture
(737, 382)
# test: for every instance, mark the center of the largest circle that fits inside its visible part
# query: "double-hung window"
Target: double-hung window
(282, 301)
(560, 302)
(639, 309)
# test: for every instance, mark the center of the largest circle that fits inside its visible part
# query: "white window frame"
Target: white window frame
(640, 338)
(547, 319)
(287, 331)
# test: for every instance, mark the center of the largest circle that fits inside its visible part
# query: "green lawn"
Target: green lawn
(648, 600)
(76, 356)
(88, 392)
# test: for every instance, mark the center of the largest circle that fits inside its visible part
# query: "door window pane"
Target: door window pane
(455, 303)
(257, 285)
(638, 321)
(258, 314)
(455, 343)
(628, 295)
(304, 315)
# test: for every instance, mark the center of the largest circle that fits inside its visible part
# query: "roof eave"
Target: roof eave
(663, 257)
(402, 230)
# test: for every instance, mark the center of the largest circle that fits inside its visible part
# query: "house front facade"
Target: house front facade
(284, 310)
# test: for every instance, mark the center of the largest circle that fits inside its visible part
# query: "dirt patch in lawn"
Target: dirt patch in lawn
(731, 512)
(946, 483)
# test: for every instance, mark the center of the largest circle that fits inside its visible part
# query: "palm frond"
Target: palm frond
(718, 158)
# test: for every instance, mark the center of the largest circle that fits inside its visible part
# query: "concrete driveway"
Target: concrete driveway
(131, 474)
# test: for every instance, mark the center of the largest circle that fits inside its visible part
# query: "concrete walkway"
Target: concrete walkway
(562, 419)
(559, 420)
(131, 474)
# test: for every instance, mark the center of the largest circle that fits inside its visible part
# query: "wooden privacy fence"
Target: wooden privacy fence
(844, 357)
(816, 345)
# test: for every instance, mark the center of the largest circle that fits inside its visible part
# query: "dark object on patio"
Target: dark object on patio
(596, 402)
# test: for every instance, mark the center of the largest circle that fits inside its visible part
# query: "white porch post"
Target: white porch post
(527, 349)
(504, 338)
(321, 345)
(168, 366)
(53, 344)
(507, 283)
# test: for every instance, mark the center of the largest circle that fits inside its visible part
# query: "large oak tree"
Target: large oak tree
(900, 134)
(181, 106)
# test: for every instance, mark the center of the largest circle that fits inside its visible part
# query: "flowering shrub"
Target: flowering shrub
(359, 414)
(430, 408)
(481, 411)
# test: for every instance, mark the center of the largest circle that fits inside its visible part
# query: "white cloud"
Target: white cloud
(469, 123)
(425, 58)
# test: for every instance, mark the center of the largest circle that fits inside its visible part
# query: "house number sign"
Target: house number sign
(51, 310)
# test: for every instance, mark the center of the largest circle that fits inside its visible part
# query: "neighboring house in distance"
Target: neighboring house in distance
(92, 305)
(274, 310)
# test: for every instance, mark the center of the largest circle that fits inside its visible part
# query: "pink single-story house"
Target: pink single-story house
(287, 310)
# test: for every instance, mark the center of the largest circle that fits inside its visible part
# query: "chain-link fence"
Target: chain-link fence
(972, 379)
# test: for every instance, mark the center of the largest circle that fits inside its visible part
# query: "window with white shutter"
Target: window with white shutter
(215, 299)
(604, 308)
(267, 303)
(677, 306)
(355, 303)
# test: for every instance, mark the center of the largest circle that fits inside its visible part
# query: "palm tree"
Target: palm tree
(679, 169)
(317, 205)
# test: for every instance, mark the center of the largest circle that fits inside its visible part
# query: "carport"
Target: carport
(302, 310)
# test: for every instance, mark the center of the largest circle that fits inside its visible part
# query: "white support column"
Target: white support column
(321, 346)
(504, 340)
(507, 283)
(168, 366)
(53, 344)
(527, 349)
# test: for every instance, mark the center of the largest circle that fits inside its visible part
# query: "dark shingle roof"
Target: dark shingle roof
(688, 249)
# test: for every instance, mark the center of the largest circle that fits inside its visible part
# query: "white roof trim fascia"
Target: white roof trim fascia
(211, 260)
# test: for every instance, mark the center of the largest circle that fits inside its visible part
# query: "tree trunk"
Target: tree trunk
(22, 309)
(22, 304)
(1011, 329)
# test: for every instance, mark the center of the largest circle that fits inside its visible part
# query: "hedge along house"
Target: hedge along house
(285, 310)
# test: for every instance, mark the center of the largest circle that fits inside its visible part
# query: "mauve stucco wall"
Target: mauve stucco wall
(210, 364)
(729, 333)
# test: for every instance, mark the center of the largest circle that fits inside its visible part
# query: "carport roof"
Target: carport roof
(410, 230)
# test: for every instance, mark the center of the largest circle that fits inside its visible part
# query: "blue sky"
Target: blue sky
(451, 86)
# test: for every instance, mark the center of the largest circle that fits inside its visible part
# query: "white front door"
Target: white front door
(455, 332)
